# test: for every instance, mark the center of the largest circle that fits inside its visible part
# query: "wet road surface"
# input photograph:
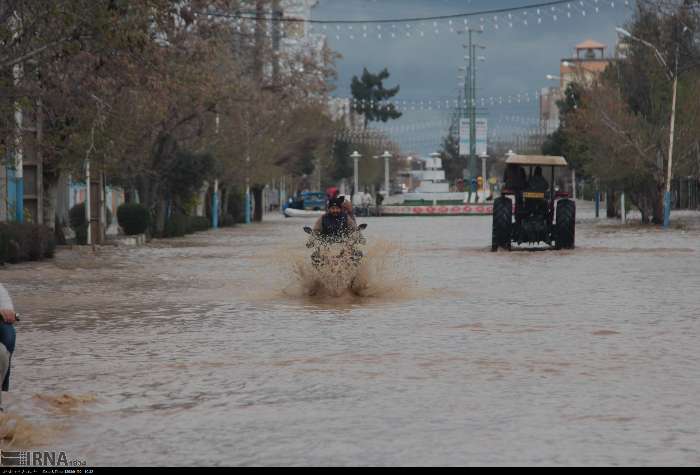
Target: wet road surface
(203, 351)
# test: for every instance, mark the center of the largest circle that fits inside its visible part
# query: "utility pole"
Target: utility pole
(472, 110)
(18, 76)
(470, 96)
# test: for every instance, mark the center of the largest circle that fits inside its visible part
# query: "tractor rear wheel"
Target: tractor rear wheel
(566, 225)
(502, 223)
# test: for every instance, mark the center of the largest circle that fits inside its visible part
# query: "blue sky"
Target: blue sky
(517, 58)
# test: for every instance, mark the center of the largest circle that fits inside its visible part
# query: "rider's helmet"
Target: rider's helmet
(336, 202)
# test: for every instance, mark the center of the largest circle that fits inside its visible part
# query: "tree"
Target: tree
(453, 164)
(152, 88)
(342, 163)
(370, 96)
(622, 122)
(562, 142)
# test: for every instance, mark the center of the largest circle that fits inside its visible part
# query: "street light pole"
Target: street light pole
(247, 191)
(387, 157)
(19, 150)
(667, 195)
(215, 195)
(356, 173)
(674, 76)
(88, 203)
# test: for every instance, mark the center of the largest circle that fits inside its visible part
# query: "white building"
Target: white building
(432, 179)
(297, 40)
(549, 109)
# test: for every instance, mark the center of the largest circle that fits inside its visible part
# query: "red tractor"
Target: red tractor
(541, 213)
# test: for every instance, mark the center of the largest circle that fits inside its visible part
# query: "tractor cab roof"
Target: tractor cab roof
(536, 160)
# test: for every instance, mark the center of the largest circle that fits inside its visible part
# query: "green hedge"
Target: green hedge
(229, 221)
(133, 218)
(180, 225)
(198, 223)
(176, 226)
(25, 242)
(78, 223)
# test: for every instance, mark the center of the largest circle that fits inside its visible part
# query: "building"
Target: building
(27, 152)
(298, 39)
(549, 109)
(293, 40)
(590, 60)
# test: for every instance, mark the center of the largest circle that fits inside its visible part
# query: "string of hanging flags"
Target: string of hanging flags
(494, 20)
(539, 14)
(378, 137)
(503, 121)
(435, 104)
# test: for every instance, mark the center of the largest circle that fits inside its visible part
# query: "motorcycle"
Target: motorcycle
(336, 259)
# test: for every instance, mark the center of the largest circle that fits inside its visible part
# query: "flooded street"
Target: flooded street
(199, 351)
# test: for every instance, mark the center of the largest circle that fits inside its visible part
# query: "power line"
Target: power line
(495, 11)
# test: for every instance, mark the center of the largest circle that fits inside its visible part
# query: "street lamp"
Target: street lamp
(658, 54)
(386, 156)
(248, 201)
(18, 73)
(674, 77)
(215, 195)
(484, 157)
(356, 174)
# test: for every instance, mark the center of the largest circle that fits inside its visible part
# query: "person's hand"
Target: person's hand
(8, 316)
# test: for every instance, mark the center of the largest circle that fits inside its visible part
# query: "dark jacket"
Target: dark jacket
(334, 226)
(7, 333)
(7, 338)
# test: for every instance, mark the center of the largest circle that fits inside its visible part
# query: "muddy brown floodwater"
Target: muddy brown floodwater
(206, 351)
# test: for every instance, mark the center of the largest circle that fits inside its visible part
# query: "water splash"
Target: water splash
(66, 402)
(17, 432)
(383, 272)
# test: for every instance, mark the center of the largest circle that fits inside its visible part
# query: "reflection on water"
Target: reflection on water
(208, 350)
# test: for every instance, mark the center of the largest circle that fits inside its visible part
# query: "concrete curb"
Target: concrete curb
(129, 241)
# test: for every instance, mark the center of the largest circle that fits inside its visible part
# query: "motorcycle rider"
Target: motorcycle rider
(335, 222)
(336, 226)
(7, 339)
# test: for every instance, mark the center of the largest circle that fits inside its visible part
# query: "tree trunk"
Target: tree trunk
(611, 203)
(257, 191)
(149, 199)
(659, 205)
(161, 212)
(644, 204)
(225, 194)
(51, 181)
(259, 45)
